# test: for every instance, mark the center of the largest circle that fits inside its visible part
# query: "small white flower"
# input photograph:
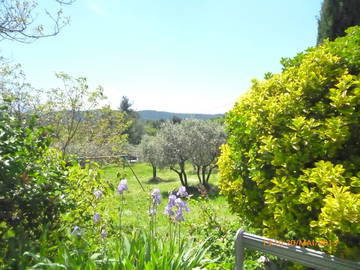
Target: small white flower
(76, 231)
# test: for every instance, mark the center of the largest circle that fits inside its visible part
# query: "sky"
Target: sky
(189, 56)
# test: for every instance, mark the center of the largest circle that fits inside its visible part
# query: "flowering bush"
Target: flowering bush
(178, 204)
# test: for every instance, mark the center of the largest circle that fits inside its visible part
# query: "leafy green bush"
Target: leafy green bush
(291, 164)
(31, 181)
(39, 190)
(220, 238)
(220, 234)
(31, 176)
(81, 184)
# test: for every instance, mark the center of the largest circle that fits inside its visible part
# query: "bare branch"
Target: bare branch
(65, 2)
(19, 21)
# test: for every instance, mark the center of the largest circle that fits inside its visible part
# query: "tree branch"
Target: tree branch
(16, 18)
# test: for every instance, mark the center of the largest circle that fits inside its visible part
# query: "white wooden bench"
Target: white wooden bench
(305, 256)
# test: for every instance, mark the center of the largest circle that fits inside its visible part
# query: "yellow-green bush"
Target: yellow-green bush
(291, 165)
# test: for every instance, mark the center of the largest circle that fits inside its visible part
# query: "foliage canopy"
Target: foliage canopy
(191, 140)
(39, 189)
(336, 16)
(291, 163)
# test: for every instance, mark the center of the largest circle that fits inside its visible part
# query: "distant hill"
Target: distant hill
(156, 115)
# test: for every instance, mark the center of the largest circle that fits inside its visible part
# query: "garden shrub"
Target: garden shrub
(31, 182)
(82, 183)
(291, 165)
(31, 176)
(39, 190)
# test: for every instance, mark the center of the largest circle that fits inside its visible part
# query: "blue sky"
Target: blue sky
(194, 56)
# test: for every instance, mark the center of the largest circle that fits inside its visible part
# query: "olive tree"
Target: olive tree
(205, 138)
(192, 140)
(175, 148)
(150, 151)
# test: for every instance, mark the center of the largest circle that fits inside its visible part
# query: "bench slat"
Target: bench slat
(305, 256)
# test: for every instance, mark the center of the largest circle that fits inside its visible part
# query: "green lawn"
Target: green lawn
(137, 200)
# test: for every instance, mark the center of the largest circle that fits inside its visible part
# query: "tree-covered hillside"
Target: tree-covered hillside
(157, 115)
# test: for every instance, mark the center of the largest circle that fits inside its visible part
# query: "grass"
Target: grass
(137, 200)
(131, 243)
(206, 236)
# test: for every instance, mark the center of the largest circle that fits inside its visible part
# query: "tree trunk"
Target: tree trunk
(184, 177)
(179, 173)
(209, 173)
(198, 173)
(154, 171)
(203, 175)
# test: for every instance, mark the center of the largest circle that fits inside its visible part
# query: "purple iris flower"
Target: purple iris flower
(98, 194)
(181, 205)
(122, 186)
(179, 217)
(156, 196)
(168, 210)
(152, 212)
(172, 199)
(182, 192)
(96, 218)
